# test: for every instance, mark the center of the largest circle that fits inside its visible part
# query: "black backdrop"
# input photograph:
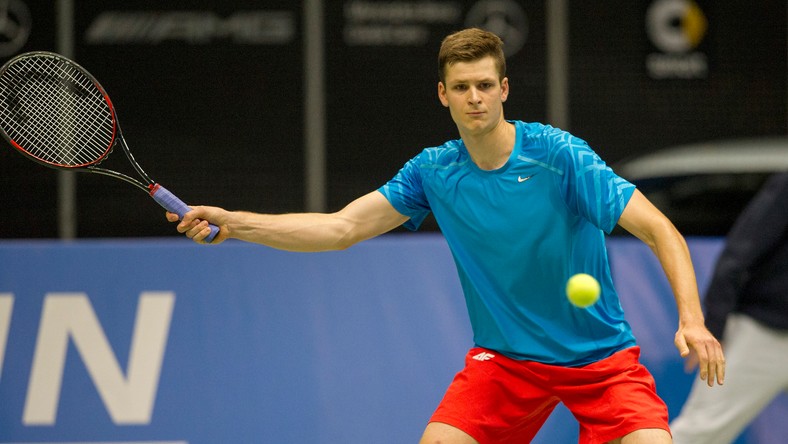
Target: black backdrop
(210, 94)
(622, 110)
(210, 109)
(28, 201)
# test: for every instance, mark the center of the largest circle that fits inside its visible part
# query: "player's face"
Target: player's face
(474, 95)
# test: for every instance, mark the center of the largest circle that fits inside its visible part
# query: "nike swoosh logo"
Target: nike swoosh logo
(523, 179)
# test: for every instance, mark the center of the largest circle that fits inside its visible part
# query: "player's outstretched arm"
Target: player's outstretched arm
(364, 218)
(647, 223)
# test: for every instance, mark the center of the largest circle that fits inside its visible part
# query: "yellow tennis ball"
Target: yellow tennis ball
(582, 290)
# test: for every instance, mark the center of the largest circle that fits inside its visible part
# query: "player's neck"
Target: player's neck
(491, 150)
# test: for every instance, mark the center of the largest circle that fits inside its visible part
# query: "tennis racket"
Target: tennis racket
(56, 113)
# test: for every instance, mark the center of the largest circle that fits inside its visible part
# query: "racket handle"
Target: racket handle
(172, 204)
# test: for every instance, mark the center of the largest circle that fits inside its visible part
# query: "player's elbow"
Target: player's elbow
(661, 231)
(343, 243)
(345, 235)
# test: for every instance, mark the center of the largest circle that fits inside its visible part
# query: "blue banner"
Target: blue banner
(165, 341)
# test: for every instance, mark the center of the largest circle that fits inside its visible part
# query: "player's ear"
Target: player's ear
(504, 89)
(442, 94)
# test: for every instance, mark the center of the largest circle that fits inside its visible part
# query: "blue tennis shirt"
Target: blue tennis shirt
(518, 233)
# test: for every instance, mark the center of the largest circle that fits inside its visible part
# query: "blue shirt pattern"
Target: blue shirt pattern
(518, 233)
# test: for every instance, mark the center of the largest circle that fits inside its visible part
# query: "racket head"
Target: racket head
(55, 112)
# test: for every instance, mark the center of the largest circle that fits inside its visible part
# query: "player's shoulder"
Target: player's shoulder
(551, 147)
(549, 137)
(447, 155)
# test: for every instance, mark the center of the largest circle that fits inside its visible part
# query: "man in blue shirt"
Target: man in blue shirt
(523, 207)
(520, 230)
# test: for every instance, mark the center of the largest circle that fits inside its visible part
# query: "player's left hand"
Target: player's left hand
(697, 340)
(691, 361)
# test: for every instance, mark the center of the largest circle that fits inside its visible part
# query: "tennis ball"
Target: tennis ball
(582, 290)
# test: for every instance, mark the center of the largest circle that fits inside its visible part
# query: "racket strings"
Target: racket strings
(55, 112)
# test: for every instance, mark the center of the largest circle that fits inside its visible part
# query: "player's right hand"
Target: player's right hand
(195, 224)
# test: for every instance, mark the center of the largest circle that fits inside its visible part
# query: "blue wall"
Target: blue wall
(267, 346)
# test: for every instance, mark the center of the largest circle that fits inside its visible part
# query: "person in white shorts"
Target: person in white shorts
(747, 307)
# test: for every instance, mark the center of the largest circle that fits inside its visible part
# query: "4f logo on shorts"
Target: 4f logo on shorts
(484, 356)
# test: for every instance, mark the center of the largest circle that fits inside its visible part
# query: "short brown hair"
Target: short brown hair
(470, 45)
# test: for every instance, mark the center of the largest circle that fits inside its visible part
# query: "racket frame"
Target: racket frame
(161, 195)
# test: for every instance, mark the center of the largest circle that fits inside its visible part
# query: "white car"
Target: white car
(703, 187)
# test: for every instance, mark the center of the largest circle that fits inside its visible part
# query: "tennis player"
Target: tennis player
(523, 207)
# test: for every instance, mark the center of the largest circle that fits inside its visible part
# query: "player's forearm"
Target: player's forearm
(306, 232)
(647, 223)
(671, 249)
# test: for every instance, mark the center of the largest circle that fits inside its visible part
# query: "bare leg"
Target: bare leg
(440, 433)
(645, 436)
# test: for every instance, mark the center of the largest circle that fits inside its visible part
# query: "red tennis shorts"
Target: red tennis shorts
(498, 400)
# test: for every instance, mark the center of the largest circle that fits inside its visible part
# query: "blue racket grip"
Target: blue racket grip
(174, 205)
